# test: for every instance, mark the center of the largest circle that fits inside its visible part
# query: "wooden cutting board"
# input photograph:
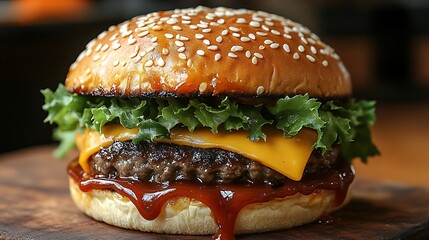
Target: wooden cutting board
(35, 204)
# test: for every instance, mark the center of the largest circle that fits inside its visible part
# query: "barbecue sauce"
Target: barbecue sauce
(225, 201)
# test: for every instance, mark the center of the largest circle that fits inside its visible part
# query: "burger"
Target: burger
(209, 121)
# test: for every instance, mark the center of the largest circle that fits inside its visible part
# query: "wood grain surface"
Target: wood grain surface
(35, 204)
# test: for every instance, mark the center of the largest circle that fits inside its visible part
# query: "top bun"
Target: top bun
(208, 52)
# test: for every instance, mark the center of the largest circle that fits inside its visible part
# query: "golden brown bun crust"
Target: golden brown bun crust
(187, 216)
(208, 52)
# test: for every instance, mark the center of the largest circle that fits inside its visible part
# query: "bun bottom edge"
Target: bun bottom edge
(190, 217)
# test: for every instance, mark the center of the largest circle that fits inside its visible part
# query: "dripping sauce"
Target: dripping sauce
(225, 201)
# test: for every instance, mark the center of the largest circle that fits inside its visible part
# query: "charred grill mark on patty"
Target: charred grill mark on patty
(163, 162)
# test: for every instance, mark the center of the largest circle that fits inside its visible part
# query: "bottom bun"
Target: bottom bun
(187, 216)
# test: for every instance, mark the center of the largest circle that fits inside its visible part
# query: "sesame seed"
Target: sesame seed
(269, 23)
(189, 63)
(232, 55)
(182, 56)
(322, 51)
(254, 60)
(313, 50)
(261, 33)
(165, 51)
(261, 47)
(310, 40)
(172, 21)
(116, 45)
(301, 48)
(179, 43)
(221, 21)
(160, 62)
(254, 24)
(241, 20)
(274, 45)
(207, 30)
(98, 47)
(157, 28)
(258, 55)
(209, 17)
(212, 47)
(88, 71)
(201, 52)
(126, 34)
(234, 29)
(236, 48)
(311, 58)
(214, 24)
(304, 40)
(181, 49)
(268, 42)
(219, 39)
(248, 54)
(199, 36)
(105, 47)
(265, 28)
(275, 32)
(256, 18)
(142, 54)
(73, 66)
(217, 57)
(111, 28)
(131, 40)
(325, 63)
(142, 34)
(296, 56)
(186, 17)
(115, 63)
(154, 39)
(206, 42)
(150, 49)
(134, 54)
(245, 39)
(203, 87)
(183, 38)
(286, 48)
(237, 35)
(202, 25)
(224, 32)
(169, 35)
(149, 63)
(193, 27)
(177, 28)
(260, 90)
(114, 36)
(335, 56)
(287, 36)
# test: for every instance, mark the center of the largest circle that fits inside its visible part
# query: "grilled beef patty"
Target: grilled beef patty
(162, 162)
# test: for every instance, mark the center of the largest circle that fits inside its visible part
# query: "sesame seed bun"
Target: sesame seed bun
(208, 52)
(183, 215)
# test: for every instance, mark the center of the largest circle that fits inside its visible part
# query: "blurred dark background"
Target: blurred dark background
(384, 44)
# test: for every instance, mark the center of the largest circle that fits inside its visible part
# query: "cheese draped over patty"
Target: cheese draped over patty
(287, 156)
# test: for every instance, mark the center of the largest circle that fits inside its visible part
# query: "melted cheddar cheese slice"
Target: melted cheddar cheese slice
(287, 156)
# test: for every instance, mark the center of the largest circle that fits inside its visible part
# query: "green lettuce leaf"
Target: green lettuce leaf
(344, 122)
(292, 114)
